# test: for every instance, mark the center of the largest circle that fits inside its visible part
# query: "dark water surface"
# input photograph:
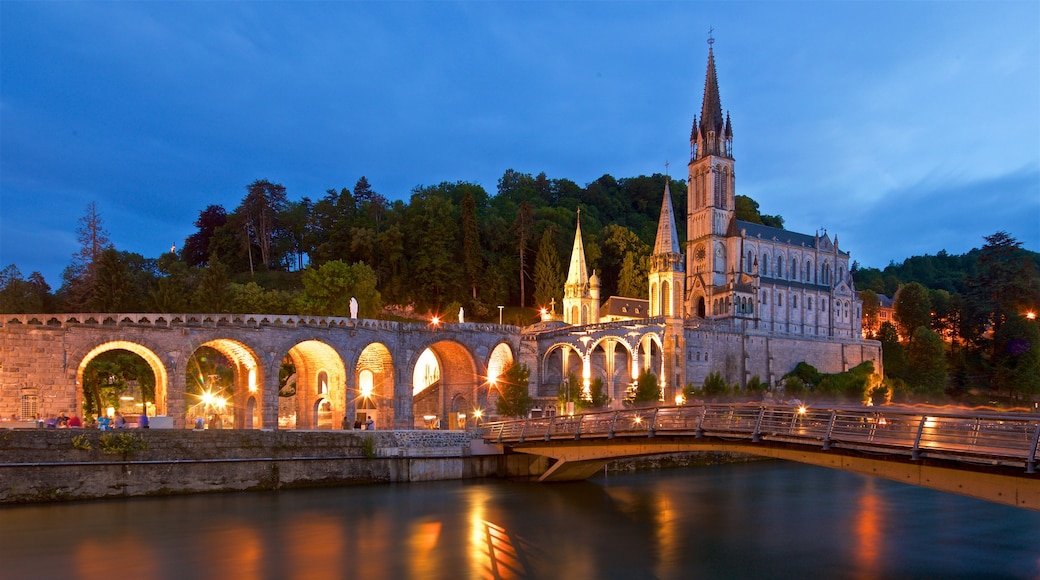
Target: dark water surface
(757, 520)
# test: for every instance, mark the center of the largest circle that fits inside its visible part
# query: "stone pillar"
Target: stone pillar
(267, 395)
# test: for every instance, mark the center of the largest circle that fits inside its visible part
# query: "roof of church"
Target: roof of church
(783, 236)
(625, 307)
(577, 273)
(711, 107)
(667, 237)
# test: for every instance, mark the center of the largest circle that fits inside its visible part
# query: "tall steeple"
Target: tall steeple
(666, 278)
(580, 292)
(714, 134)
(577, 274)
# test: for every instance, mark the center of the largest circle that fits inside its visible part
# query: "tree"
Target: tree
(648, 391)
(327, 290)
(1016, 358)
(196, 250)
(1007, 283)
(514, 400)
(471, 257)
(18, 295)
(913, 309)
(871, 309)
(715, 385)
(548, 272)
(522, 230)
(926, 355)
(571, 392)
(213, 293)
(261, 207)
(79, 278)
(598, 397)
(892, 352)
(436, 275)
(113, 291)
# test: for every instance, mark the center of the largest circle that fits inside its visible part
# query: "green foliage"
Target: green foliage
(123, 443)
(647, 390)
(327, 290)
(571, 392)
(794, 386)
(807, 373)
(514, 400)
(913, 309)
(926, 355)
(853, 385)
(756, 386)
(81, 442)
(368, 446)
(715, 385)
(598, 394)
(108, 376)
(548, 273)
(1016, 358)
(746, 209)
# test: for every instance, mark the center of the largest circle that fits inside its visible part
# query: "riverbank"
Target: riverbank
(47, 465)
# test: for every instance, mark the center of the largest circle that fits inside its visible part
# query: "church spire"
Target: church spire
(577, 274)
(667, 237)
(714, 132)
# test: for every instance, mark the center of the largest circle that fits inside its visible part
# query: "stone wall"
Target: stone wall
(56, 464)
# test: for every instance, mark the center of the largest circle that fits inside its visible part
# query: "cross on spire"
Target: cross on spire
(666, 169)
(711, 39)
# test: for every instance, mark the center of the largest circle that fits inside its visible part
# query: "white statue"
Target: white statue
(353, 307)
(462, 316)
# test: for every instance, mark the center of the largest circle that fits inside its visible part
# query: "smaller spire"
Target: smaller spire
(667, 241)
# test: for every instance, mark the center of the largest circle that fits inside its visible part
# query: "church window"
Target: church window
(794, 301)
(823, 305)
(779, 298)
(779, 266)
(749, 265)
(808, 271)
(763, 269)
(765, 296)
(698, 356)
(808, 303)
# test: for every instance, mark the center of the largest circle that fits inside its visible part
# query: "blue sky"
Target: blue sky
(902, 127)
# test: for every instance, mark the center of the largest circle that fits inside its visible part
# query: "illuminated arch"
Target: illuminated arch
(320, 374)
(247, 382)
(373, 395)
(153, 361)
(456, 372)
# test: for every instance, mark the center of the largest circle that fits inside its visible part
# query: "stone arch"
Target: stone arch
(162, 378)
(247, 381)
(499, 360)
(320, 374)
(458, 377)
(373, 394)
(558, 361)
(612, 364)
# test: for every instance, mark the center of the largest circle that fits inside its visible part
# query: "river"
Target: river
(767, 519)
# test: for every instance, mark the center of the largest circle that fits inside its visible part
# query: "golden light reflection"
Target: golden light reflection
(239, 553)
(423, 559)
(136, 558)
(867, 532)
(314, 548)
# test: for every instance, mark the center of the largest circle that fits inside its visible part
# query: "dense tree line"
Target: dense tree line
(448, 246)
(963, 326)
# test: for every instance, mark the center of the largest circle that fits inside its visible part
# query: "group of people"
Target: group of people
(100, 422)
(367, 425)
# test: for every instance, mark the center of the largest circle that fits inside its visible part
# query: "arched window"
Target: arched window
(809, 303)
(808, 271)
(750, 265)
(794, 301)
(779, 266)
(779, 298)
(763, 267)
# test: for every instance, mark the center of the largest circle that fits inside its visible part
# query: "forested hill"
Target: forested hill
(943, 271)
(449, 245)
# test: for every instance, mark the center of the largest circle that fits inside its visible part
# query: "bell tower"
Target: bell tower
(709, 192)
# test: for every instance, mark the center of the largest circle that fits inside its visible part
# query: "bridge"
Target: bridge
(343, 366)
(986, 455)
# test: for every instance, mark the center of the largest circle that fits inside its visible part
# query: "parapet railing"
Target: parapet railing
(981, 438)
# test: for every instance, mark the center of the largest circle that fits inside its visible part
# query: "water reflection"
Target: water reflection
(767, 519)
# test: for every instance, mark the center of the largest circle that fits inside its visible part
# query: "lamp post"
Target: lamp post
(500, 314)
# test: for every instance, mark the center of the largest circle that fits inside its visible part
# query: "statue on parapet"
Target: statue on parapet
(462, 316)
(353, 307)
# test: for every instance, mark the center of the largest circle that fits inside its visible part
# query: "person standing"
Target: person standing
(142, 422)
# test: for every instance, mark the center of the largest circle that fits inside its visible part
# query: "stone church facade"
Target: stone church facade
(739, 298)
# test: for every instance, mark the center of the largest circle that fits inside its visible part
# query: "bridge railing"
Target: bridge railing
(989, 438)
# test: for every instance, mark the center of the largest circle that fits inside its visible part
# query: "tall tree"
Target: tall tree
(913, 309)
(522, 230)
(196, 248)
(261, 207)
(926, 355)
(113, 291)
(213, 293)
(471, 253)
(548, 272)
(436, 274)
(871, 309)
(79, 278)
(18, 295)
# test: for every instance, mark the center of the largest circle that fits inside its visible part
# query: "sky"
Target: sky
(902, 128)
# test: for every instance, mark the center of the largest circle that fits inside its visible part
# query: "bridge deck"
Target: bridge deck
(1004, 444)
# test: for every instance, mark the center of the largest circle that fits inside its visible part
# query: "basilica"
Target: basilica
(739, 298)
